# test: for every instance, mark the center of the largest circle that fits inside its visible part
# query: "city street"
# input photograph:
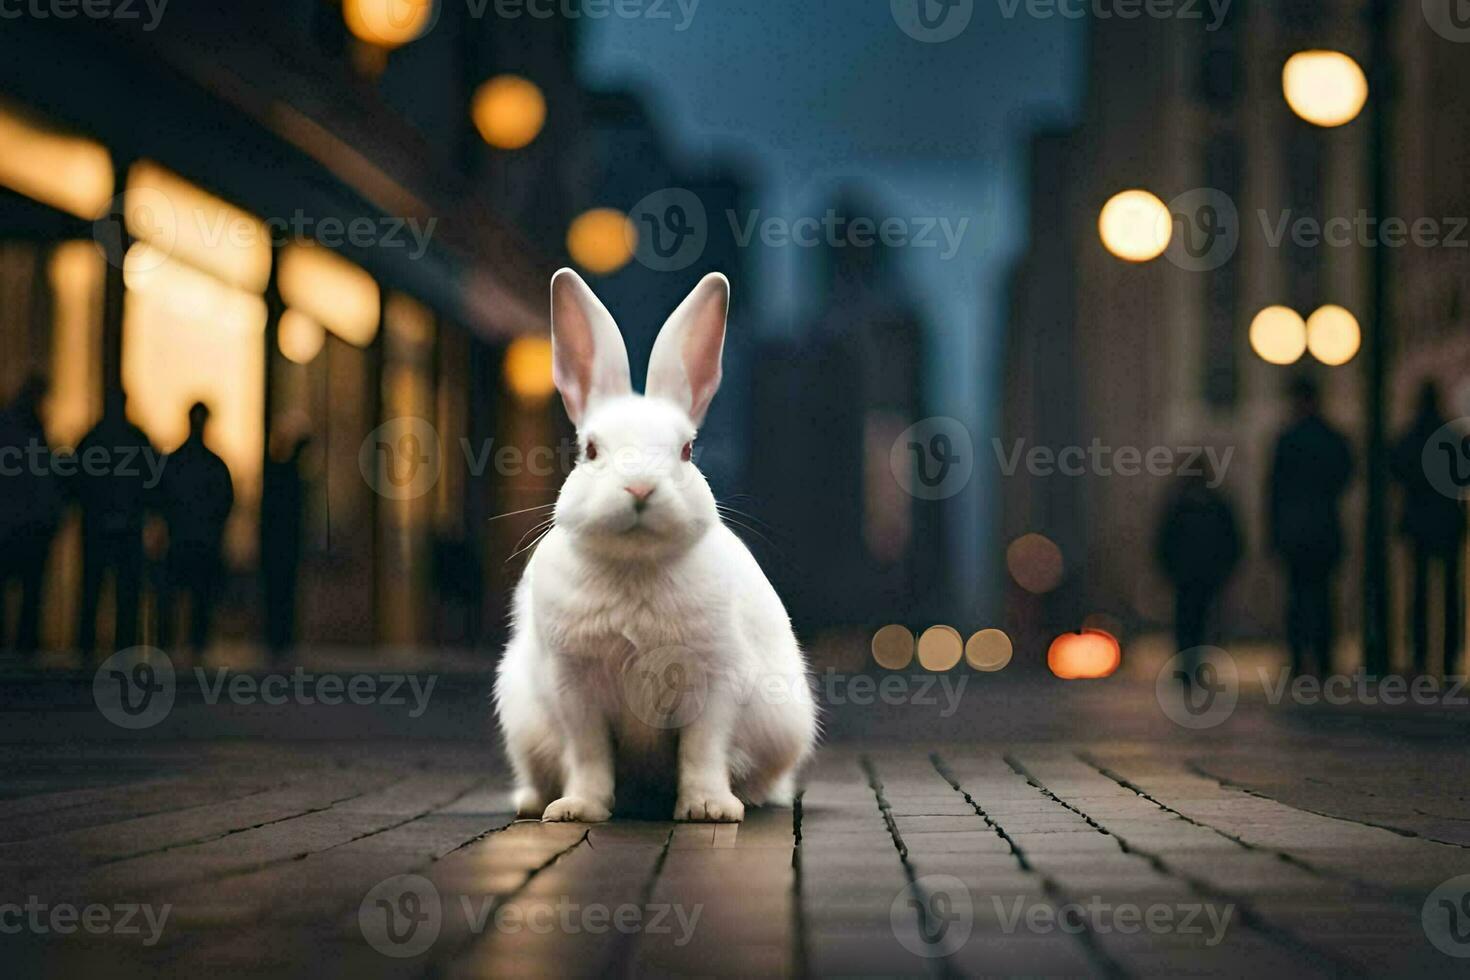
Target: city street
(1016, 824)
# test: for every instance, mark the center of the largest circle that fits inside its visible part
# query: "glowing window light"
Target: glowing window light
(601, 240)
(1135, 225)
(66, 172)
(388, 23)
(1035, 562)
(1333, 335)
(1085, 655)
(509, 111)
(1326, 88)
(76, 274)
(299, 337)
(410, 324)
(184, 222)
(527, 369)
(940, 648)
(332, 291)
(1278, 335)
(189, 337)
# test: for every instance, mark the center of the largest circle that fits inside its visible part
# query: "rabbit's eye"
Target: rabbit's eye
(591, 450)
(687, 452)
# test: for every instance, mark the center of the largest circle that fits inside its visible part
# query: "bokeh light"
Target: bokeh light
(893, 647)
(989, 650)
(601, 240)
(528, 369)
(1333, 335)
(388, 23)
(940, 648)
(1085, 655)
(1279, 335)
(300, 337)
(1035, 562)
(1135, 225)
(1326, 88)
(509, 111)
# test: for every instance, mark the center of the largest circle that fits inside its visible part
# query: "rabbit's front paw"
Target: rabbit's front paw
(573, 809)
(714, 807)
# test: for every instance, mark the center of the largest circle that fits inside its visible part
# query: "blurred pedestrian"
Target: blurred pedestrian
(282, 520)
(195, 497)
(30, 510)
(1433, 525)
(1310, 471)
(1198, 547)
(115, 475)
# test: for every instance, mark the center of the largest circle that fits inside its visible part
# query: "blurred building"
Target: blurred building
(1156, 354)
(256, 207)
(852, 547)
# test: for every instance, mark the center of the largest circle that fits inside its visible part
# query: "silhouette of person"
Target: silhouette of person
(1434, 525)
(30, 509)
(112, 486)
(1310, 470)
(195, 497)
(282, 519)
(1198, 548)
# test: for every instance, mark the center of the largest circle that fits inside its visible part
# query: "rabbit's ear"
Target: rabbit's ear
(685, 365)
(588, 359)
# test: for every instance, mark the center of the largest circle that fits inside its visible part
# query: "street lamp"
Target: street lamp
(388, 24)
(602, 240)
(509, 111)
(1135, 226)
(1333, 335)
(1326, 88)
(1278, 335)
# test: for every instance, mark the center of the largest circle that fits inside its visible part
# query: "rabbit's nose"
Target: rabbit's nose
(641, 492)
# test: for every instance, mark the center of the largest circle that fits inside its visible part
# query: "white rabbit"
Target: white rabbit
(646, 639)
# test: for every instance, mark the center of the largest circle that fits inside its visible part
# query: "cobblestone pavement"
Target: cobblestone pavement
(1040, 829)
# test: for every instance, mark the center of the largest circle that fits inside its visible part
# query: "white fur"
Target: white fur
(647, 641)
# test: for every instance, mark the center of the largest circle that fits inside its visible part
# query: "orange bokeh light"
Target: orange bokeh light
(1084, 655)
